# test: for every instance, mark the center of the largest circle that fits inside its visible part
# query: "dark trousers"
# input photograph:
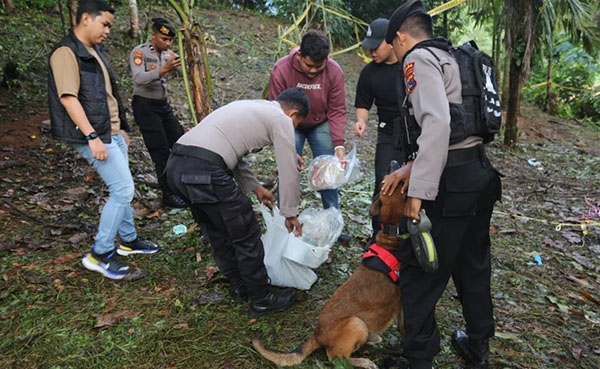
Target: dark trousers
(384, 153)
(160, 130)
(460, 216)
(226, 217)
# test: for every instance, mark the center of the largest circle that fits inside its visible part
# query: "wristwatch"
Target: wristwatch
(91, 136)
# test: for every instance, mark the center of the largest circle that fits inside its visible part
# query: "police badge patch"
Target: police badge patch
(409, 77)
(137, 57)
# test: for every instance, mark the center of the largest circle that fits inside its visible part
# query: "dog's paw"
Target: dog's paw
(363, 363)
(374, 338)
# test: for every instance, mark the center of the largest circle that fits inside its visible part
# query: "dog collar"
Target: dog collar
(395, 230)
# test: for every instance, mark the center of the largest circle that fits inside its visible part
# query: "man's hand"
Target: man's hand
(391, 181)
(173, 63)
(125, 137)
(265, 196)
(340, 152)
(412, 208)
(98, 149)
(359, 128)
(293, 224)
(300, 162)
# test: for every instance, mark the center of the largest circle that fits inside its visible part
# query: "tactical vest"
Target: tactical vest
(91, 95)
(478, 115)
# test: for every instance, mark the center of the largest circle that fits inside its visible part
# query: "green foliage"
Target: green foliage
(342, 363)
(573, 74)
(37, 4)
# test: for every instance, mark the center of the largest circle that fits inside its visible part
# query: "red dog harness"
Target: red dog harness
(380, 259)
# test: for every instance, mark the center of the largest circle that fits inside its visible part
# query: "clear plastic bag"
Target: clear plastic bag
(327, 172)
(321, 227)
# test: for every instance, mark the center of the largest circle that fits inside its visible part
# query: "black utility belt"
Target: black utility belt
(200, 153)
(465, 156)
(162, 100)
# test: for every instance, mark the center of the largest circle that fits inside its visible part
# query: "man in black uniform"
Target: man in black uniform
(377, 83)
(454, 183)
(151, 63)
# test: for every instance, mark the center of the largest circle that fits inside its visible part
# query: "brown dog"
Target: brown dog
(367, 303)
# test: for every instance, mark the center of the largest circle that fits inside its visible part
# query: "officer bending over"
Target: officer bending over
(206, 169)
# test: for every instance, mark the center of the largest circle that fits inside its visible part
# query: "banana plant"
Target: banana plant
(194, 61)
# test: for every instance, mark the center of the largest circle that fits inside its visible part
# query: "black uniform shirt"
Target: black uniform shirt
(377, 82)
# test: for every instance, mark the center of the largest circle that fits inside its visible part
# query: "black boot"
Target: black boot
(173, 201)
(476, 353)
(238, 291)
(400, 363)
(272, 301)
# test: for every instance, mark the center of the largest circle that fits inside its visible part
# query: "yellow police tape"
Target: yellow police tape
(584, 225)
(446, 6)
(590, 89)
(345, 15)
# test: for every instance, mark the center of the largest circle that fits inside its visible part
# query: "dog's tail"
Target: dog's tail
(288, 358)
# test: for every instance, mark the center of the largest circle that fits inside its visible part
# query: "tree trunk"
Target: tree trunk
(512, 105)
(133, 18)
(521, 37)
(506, 72)
(73, 12)
(549, 73)
(8, 5)
(196, 57)
(445, 17)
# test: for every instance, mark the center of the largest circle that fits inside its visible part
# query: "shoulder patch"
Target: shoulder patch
(137, 57)
(409, 77)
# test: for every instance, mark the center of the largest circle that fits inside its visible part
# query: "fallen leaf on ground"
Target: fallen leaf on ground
(78, 237)
(77, 193)
(65, 258)
(576, 352)
(114, 318)
(211, 271)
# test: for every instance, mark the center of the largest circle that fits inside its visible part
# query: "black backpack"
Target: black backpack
(479, 90)
(480, 113)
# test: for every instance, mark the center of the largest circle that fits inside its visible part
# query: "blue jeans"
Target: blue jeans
(117, 214)
(319, 140)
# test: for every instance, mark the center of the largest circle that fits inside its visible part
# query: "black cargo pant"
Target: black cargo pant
(160, 130)
(226, 217)
(385, 152)
(460, 218)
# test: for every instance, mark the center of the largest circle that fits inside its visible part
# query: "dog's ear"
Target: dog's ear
(375, 206)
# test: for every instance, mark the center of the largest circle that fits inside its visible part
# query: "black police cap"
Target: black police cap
(163, 26)
(408, 9)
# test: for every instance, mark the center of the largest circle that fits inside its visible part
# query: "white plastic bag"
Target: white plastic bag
(277, 241)
(327, 172)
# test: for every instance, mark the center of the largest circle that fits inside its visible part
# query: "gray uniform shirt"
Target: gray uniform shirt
(240, 127)
(145, 62)
(431, 86)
